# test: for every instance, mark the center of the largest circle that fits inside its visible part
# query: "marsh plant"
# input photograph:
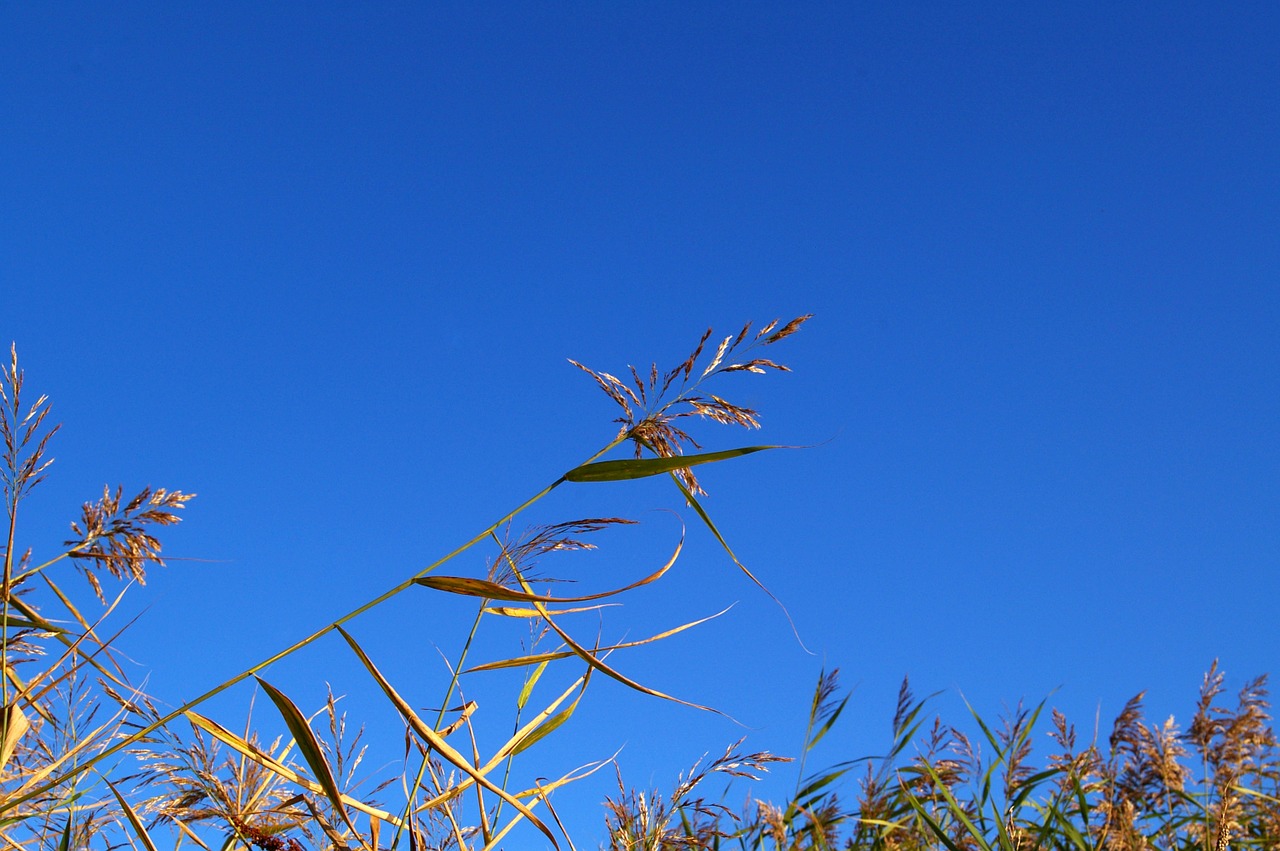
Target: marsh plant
(1144, 787)
(87, 759)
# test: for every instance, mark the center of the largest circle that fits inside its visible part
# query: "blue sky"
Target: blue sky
(324, 265)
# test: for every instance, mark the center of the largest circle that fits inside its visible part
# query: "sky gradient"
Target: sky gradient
(323, 265)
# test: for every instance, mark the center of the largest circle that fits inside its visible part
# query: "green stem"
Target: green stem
(32, 571)
(422, 769)
(462, 660)
(8, 583)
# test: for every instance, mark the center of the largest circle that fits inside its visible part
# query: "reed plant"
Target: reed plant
(87, 759)
(1148, 786)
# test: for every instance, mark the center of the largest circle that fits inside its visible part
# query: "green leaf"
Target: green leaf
(937, 828)
(820, 783)
(706, 520)
(543, 658)
(21, 623)
(487, 590)
(549, 726)
(954, 806)
(529, 683)
(1027, 786)
(310, 747)
(478, 588)
(639, 468)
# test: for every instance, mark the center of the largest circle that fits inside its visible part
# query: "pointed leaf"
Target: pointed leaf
(526, 691)
(21, 623)
(442, 747)
(954, 806)
(706, 519)
(543, 658)
(509, 747)
(469, 587)
(639, 468)
(548, 726)
(820, 783)
(826, 727)
(264, 759)
(134, 821)
(517, 612)
(310, 747)
(594, 661)
(13, 725)
(493, 591)
(543, 793)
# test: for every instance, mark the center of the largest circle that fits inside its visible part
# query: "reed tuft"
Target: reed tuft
(933, 788)
(650, 415)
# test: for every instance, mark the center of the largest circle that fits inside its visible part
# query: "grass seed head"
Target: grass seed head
(649, 412)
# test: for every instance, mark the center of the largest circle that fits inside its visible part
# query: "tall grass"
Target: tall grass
(1148, 786)
(89, 760)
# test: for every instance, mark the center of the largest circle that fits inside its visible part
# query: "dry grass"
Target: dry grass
(646, 821)
(1150, 786)
(88, 760)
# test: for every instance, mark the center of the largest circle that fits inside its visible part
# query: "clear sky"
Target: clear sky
(323, 265)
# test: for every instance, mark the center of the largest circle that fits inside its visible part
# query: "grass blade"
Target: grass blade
(517, 612)
(524, 740)
(508, 748)
(639, 468)
(432, 738)
(953, 806)
(935, 827)
(13, 725)
(543, 793)
(706, 519)
(264, 759)
(134, 821)
(526, 691)
(543, 658)
(310, 747)
(493, 591)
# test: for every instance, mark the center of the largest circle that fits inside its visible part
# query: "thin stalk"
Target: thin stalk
(506, 774)
(422, 769)
(8, 580)
(382, 598)
(32, 571)
(462, 660)
(511, 758)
